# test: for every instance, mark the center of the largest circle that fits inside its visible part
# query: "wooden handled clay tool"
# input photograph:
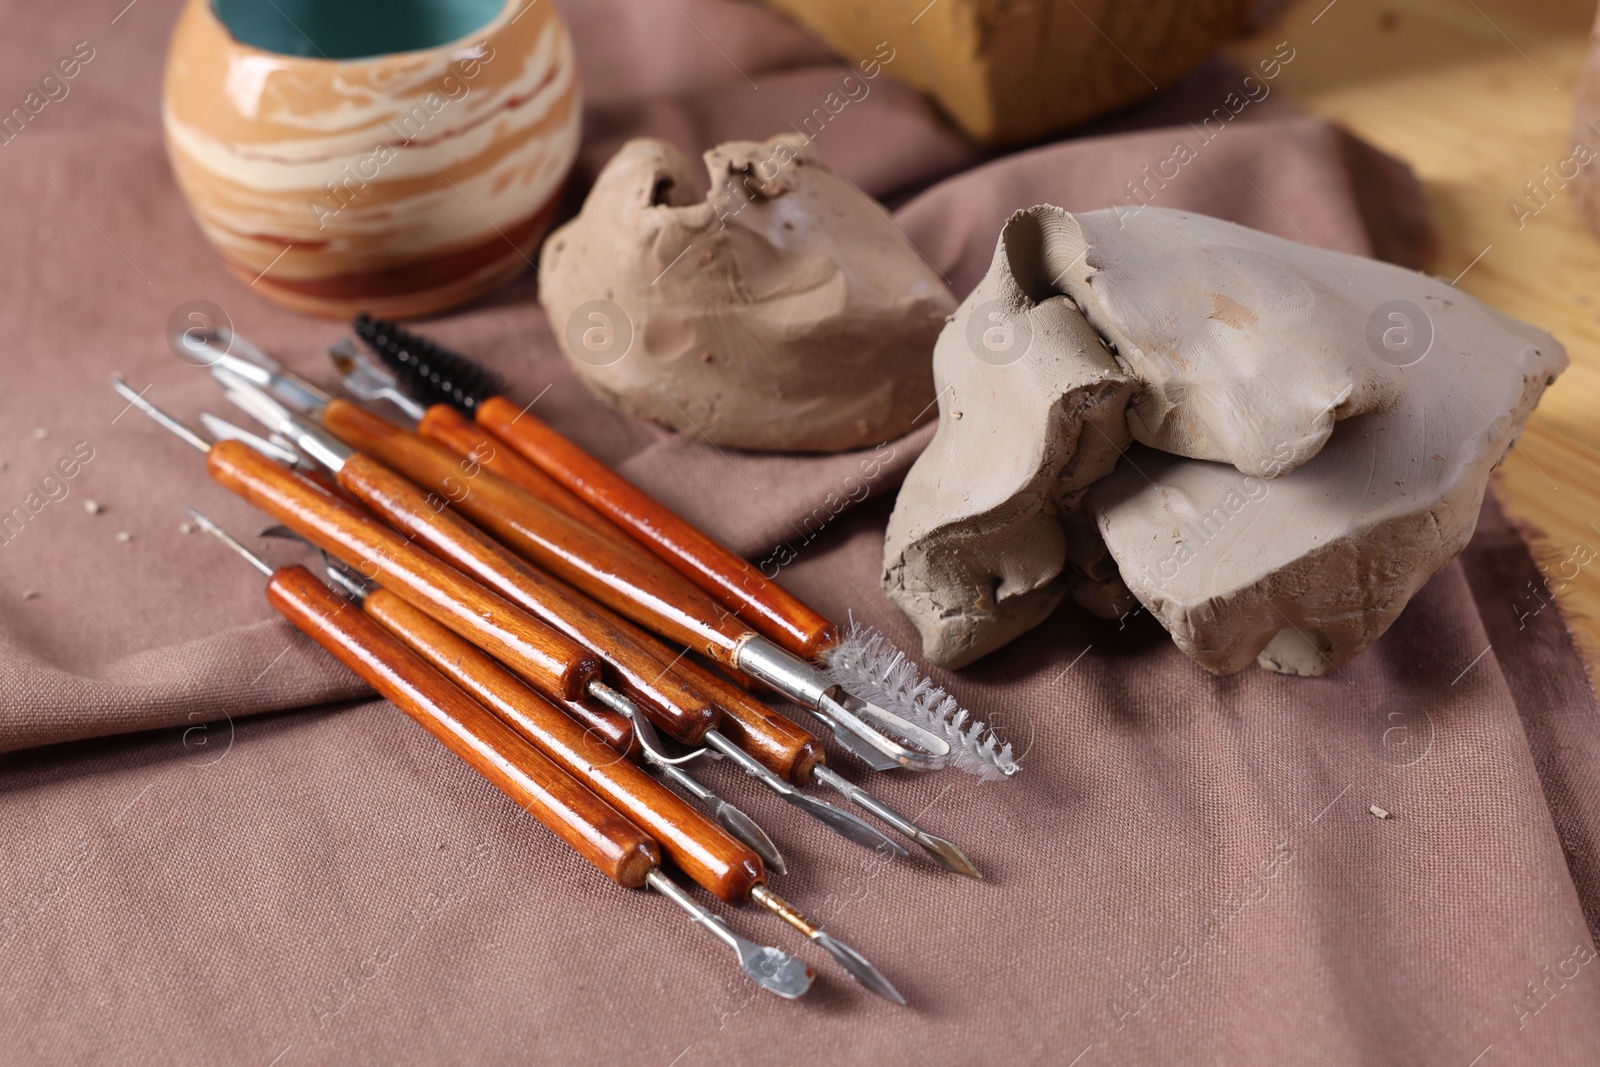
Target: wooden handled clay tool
(459, 543)
(455, 540)
(943, 851)
(626, 578)
(414, 368)
(593, 828)
(525, 711)
(548, 660)
(633, 583)
(710, 857)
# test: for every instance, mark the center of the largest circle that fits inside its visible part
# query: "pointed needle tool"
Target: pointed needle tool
(854, 963)
(162, 419)
(472, 731)
(944, 852)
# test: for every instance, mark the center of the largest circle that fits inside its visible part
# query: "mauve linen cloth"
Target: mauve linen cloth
(1185, 871)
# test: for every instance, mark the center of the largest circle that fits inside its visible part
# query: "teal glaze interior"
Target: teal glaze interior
(352, 29)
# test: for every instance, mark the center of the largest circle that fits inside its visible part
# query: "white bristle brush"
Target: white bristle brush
(868, 665)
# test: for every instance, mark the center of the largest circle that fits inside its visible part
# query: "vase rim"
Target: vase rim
(504, 17)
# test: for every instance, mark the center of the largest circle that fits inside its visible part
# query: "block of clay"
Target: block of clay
(1578, 165)
(1031, 413)
(782, 312)
(1298, 557)
(1249, 348)
(1305, 571)
(1008, 73)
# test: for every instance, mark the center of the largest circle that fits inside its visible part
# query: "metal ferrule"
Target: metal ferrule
(237, 356)
(311, 439)
(844, 713)
(788, 674)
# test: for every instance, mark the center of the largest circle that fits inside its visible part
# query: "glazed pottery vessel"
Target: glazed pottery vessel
(391, 156)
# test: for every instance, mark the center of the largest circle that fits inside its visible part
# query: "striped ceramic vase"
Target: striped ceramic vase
(371, 156)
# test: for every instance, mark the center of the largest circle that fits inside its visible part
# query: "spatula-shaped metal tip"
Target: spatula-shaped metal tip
(775, 970)
(745, 829)
(772, 969)
(947, 855)
(857, 967)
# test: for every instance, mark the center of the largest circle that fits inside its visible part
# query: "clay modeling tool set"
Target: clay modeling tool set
(443, 390)
(507, 512)
(441, 530)
(563, 772)
(594, 829)
(624, 576)
(523, 620)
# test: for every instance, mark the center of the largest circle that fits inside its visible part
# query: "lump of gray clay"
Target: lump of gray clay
(1031, 414)
(783, 312)
(1241, 342)
(1302, 548)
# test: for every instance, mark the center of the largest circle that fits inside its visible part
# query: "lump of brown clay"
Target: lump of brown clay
(1301, 570)
(784, 312)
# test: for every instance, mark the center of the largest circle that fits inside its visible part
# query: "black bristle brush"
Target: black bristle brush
(428, 372)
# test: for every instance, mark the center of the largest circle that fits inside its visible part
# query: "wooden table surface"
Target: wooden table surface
(1476, 95)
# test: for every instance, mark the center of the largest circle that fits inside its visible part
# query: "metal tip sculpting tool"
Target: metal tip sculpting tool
(161, 418)
(728, 817)
(366, 379)
(944, 852)
(772, 969)
(579, 817)
(853, 962)
(836, 819)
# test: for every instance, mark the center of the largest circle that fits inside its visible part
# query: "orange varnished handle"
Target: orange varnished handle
(783, 746)
(638, 659)
(626, 578)
(760, 601)
(444, 425)
(594, 829)
(537, 653)
(699, 846)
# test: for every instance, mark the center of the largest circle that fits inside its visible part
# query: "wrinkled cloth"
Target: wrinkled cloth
(281, 870)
